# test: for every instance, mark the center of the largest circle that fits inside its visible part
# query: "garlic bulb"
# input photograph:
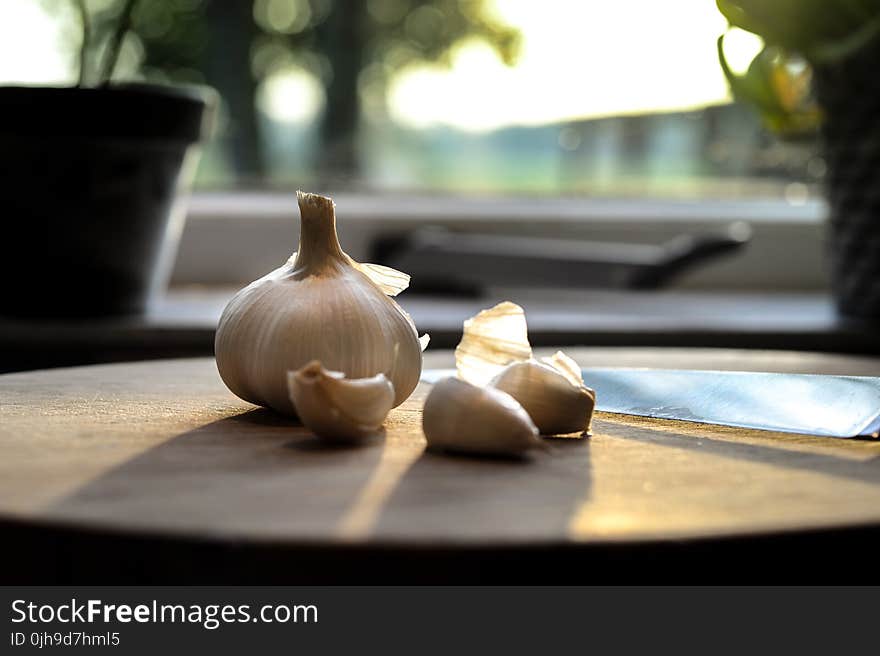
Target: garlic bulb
(339, 408)
(495, 350)
(459, 416)
(555, 404)
(320, 305)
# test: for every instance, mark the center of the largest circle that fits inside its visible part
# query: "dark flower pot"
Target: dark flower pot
(849, 94)
(88, 185)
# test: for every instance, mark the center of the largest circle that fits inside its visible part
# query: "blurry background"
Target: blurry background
(594, 98)
(608, 125)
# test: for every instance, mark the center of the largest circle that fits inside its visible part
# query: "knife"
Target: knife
(812, 404)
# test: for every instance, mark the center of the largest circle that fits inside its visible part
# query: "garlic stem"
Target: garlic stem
(318, 241)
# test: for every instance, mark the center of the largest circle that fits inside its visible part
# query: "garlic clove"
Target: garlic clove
(320, 305)
(555, 403)
(339, 408)
(492, 340)
(459, 416)
(495, 350)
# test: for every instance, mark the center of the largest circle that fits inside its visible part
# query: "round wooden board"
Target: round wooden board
(163, 448)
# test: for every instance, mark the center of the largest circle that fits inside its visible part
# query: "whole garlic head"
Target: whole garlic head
(320, 305)
(338, 408)
(459, 416)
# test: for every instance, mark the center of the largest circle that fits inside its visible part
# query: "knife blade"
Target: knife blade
(812, 404)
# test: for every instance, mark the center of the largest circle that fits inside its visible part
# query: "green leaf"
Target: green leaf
(763, 86)
(820, 30)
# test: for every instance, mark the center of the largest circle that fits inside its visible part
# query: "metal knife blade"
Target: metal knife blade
(831, 406)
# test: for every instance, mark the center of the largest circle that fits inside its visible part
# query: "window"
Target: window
(614, 99)
(602, 121)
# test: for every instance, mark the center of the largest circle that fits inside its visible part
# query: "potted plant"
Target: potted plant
(89, 176)
(819, 67)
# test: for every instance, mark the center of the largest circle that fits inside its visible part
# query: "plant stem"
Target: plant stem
(86, 37)
(115, 44)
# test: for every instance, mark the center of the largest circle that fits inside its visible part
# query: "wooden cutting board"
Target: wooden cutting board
(163, 449)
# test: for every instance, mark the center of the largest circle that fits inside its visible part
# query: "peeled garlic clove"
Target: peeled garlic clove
(459, 416)
(320, 305)
(554, 403)
(491, 340)
(338, 408)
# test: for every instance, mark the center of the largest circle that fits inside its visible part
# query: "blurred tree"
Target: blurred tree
(353, 46)
(380, 37)
(356, 46)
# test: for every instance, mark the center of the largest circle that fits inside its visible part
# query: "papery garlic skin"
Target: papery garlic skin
(557, 406)
(461, 417)
(491, 340)
(339, 408)
(321, 305)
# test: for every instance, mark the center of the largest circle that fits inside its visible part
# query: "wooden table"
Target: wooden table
(154, 472)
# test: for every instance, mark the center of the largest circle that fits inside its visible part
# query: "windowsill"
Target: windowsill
(235, 237)
(422, 208)
(183, 324)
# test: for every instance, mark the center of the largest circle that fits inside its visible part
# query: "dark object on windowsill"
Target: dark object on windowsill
(444, 262)
(88, 181)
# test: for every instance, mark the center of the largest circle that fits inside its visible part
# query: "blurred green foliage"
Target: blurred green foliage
(777, 84)
(796, 34)
(818, 30)
(352, 46)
